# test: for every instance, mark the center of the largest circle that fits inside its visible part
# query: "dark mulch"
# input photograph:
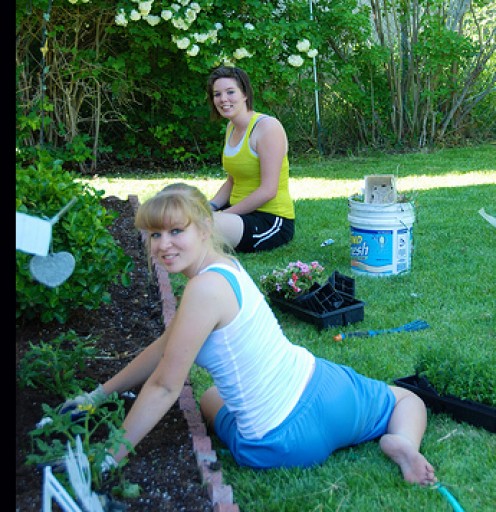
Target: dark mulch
(165, 465)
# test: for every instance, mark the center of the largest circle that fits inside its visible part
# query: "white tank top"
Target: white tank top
(234, 150)
(259, 373)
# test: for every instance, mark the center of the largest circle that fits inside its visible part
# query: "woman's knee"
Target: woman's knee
(407, 400)
(403, 393)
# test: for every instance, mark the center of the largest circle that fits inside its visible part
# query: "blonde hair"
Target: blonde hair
(179, 204)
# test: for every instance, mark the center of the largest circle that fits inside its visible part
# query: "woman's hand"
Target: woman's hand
(76, 406)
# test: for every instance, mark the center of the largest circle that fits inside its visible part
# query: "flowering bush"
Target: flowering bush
(293, 281)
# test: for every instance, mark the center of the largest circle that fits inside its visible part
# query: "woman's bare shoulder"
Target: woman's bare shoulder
(207, 283)
(268, 125)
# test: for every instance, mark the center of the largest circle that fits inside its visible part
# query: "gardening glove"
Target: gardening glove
(77, 406)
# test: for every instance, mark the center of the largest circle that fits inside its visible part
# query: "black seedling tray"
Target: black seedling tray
(351, 311)
(320, 299)
(332, 303)
(474, 413)
(343, 284)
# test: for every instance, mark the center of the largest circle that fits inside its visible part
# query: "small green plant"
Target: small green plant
(53, 365)
(460, 371)
(98, 434)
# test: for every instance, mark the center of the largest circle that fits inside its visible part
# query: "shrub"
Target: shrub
(42, 191)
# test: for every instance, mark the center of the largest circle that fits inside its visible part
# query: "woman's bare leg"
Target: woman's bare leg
(210, 405)
(230, 225)
(402, 441)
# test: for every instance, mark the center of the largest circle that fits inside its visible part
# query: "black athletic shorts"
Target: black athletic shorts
(263, 231)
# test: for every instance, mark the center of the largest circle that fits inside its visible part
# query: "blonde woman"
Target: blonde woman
(273, 403)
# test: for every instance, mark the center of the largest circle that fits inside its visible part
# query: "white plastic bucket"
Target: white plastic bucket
(381, 237)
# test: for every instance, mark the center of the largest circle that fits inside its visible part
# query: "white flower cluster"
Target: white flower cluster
(302, 46)
(182, 14)
(230, 60)
(241, 53)
(76, 1)
(225, 60)
(144, 8)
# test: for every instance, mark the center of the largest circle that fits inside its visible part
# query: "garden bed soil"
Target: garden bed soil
(165, 464)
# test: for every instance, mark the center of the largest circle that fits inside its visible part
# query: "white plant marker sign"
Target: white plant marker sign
(34, 236)
(78, 469)
(53, 490)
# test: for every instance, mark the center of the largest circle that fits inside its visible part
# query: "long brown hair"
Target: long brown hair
(242, 80)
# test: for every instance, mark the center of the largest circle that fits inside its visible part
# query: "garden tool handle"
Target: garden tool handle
(356, 334)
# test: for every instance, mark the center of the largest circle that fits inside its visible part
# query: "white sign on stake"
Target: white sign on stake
(78, 469)
(33, 235)
(79, 472)
(53, 490)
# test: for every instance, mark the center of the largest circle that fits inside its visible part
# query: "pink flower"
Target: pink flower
(292, 281)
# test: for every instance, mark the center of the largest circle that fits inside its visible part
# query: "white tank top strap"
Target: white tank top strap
(234, 150)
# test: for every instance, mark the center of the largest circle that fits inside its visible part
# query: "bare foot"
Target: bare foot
(414, 466)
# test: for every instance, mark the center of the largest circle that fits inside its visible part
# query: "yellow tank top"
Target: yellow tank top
(244, 167)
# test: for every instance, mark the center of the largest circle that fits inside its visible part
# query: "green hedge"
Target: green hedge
(42, 191)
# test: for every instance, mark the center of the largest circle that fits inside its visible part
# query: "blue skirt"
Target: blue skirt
(338, 408)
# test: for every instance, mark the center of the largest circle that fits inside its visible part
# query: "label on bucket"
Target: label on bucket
(380, 252)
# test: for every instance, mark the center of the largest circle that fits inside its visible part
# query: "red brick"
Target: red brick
(220, 493)
(226, 507)
(202, 443)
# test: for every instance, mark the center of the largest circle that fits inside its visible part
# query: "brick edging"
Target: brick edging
(219, 493)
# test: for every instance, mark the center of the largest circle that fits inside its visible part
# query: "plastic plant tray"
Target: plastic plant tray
(343, 284)
(380, 188)
(332, 303)
(474, 413)
(351, 311)
(320, 299)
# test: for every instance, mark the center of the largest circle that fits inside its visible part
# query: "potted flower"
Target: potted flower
(296, 288)
(292, 281)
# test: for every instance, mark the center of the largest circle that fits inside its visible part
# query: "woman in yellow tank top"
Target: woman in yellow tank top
(254, 210)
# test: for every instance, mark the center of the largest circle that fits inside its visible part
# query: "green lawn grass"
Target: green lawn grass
(451, 285)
